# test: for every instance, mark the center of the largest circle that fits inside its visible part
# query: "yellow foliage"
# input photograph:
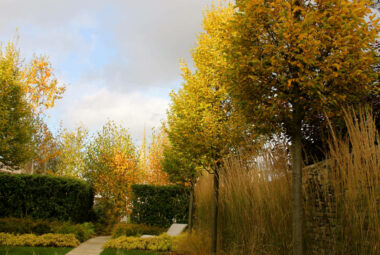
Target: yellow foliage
(280, 56)
(159, 243)
(47, 240)
(153, 173)
(111, 166)
(203, 123)
(72, 152)
(41, 88)
(46, 147)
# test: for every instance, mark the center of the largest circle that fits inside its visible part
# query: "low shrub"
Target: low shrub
(27, 226)
(124, 229)
(90, 228)
(82, 232)
(46, 240)
(159, 243)
(39, 227)
(104, 217)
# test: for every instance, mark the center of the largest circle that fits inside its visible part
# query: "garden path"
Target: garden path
(90, 247)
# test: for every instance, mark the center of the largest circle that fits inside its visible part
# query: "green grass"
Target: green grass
(125, 252)
(14, 250)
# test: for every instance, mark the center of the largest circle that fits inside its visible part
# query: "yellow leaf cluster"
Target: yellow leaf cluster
(162, 242)
(46, 240)
(40, 86)
(153, 172)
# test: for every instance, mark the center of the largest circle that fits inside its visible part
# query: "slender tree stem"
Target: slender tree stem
(191, 205)
(214, 230)
(297, 192)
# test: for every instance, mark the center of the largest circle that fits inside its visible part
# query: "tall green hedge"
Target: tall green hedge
(45, 197)
(158, 205)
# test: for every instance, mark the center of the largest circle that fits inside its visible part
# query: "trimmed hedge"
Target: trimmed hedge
(47, 240)
(28, 226)
(159, 205)
(130, 229)
(45, 197)
(159, 243)
(82, 231)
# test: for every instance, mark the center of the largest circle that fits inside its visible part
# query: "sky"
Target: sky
(119, 59)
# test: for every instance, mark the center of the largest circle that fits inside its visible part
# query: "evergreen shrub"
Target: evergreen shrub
(159, 205)
(45, 197)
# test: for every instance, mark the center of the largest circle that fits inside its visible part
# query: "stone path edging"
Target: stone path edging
(90, 247)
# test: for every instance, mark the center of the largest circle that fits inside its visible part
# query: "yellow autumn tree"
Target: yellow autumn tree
(72, 147)
(41, 90)
(154, 173)
(41, 87)
(285, 62)
(46, 148)
(111, 167)
(203, 125)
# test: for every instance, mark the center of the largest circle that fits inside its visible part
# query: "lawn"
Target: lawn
(33, 250)
(125, 252)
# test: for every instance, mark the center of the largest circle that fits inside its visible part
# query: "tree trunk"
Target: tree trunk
(215, 208)
(191, 206)
(297, 191)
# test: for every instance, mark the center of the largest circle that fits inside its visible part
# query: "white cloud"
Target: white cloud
(153, 36)
(133, 110)
(148, 37)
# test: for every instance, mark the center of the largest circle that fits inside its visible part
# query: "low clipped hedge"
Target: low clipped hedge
(159, 205)
(125, 229)
(47, 240)
(159, 243)
(27, 226)
(82, 231)
(45, 197)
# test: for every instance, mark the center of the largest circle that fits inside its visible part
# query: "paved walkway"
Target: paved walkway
(90, 247)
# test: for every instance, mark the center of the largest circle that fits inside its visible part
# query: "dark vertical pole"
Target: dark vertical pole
(191, 206)
(214, 231)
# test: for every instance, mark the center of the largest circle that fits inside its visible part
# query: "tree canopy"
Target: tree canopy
(285, 62)
(16, 128)
(111, 166)
(27, 90)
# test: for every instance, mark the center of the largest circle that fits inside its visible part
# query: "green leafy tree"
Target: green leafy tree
(16, 127)
(27, 90)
